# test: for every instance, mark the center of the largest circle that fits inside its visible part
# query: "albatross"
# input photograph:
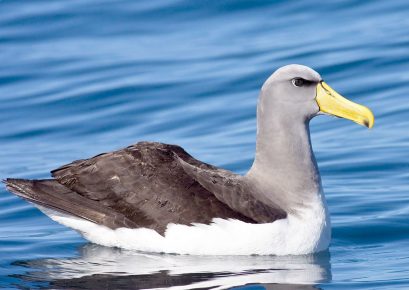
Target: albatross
(155, 197)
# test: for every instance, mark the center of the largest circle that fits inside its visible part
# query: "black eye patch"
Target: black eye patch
(300, 82)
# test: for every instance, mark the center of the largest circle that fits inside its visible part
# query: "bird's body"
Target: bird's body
(156, 197)
(307, 232)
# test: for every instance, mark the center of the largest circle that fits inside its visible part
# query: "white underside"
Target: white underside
(307, 232)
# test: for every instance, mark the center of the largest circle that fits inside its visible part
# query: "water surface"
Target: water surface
(82, 77)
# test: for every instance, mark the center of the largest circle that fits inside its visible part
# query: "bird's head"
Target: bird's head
(300, 91)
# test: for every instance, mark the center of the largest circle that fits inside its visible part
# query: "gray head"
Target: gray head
(299, 93)
(292, 88)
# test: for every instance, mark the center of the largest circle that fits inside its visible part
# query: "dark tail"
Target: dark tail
(51, 194)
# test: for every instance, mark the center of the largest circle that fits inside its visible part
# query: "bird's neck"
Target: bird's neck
(285, 166)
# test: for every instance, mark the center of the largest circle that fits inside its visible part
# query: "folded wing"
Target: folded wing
(147, 185)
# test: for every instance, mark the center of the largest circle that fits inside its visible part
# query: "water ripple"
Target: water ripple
(82, 77)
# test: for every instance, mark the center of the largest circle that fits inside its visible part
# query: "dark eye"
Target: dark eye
(298, 82)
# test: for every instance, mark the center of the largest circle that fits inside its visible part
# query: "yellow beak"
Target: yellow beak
(332, 103)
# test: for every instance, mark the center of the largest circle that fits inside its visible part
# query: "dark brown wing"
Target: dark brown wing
(50, 194)
(234, 190)
(146, 184)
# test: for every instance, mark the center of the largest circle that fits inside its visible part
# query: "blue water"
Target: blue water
(82, 77)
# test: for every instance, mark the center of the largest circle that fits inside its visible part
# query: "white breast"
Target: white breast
(307, 232)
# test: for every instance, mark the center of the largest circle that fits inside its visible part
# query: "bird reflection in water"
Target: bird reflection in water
(99, 267)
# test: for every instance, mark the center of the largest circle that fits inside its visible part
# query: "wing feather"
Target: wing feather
(235, 191)
(147, 184)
